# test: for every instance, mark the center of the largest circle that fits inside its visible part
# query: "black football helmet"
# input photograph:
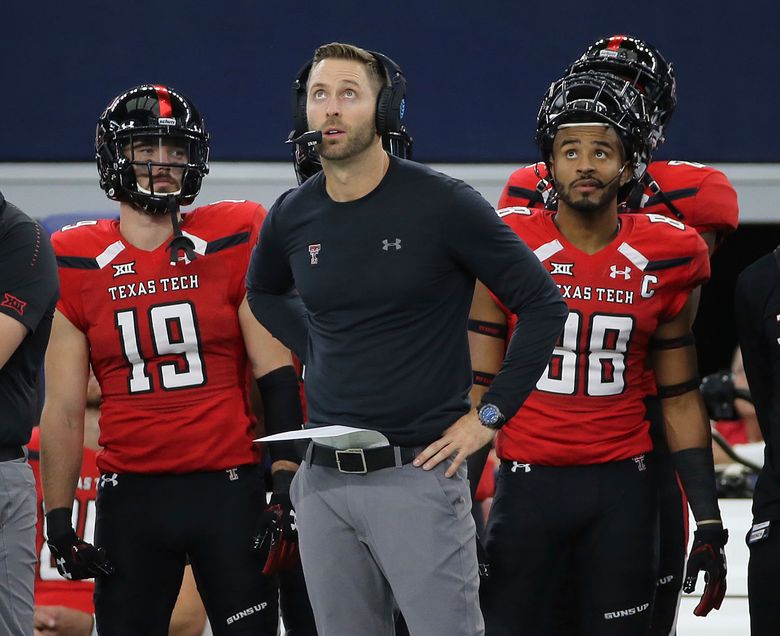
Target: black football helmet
(157, 112)
(597, 97)
(641, 64)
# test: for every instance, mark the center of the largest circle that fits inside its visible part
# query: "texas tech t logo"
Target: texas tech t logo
(314, 250)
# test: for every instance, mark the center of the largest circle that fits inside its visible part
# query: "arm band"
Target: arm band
(673, 390)
(696, 470)
(493, 329)
(481, 378)
(673, 343)
(282, 410)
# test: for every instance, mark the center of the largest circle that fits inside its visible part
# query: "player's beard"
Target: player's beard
(359, 139)
(592, 201)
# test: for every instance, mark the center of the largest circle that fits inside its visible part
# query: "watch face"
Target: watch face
(489, 415)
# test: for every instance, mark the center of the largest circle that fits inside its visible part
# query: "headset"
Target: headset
(390, 111)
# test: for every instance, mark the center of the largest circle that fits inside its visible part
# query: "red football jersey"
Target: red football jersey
(50, 587)
(702, 195)
(165, 341)
(588, 404)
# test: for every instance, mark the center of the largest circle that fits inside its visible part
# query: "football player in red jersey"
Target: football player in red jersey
(575, 493)
(65, 608)
(155, 303)
(696, 194)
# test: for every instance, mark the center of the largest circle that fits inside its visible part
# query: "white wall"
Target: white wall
(41, 189)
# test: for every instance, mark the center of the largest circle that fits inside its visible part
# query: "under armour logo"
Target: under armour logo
(232, 473)
(124, 268)
(314, 250)
(639, 460)
(112, 479)
(386, 244)
(63, 570)
(565, 269)
(12, 302)
(614, 272)
(517, 466)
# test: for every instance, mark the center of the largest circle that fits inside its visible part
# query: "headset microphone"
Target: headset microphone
(309, 137)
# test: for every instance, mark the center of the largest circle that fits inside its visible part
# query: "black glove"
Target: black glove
(276, 538)
(709, 555)
(75, 558)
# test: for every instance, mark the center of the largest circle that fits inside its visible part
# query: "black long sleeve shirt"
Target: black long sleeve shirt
(374, 296)
(757, 302)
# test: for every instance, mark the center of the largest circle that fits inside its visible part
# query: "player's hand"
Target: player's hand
(460, 440)
(276, 538)
(51, 620)
(75, 558)
(708, 554)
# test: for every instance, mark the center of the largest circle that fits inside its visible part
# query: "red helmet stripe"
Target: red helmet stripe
(166, 110)
(615, 41)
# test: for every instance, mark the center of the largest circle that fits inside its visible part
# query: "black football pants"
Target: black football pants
(593, 525)
(149, 524)
(763, 593)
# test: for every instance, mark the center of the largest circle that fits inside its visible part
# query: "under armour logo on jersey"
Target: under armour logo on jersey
(12, 302)
(232, 473)
(565, 269)
(112, 479)
(387, 244)
(314, 250)
(517, 466)
(639, 460)
(124, 268)
(614, 272)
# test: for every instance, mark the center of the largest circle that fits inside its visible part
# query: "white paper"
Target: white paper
(313, 433)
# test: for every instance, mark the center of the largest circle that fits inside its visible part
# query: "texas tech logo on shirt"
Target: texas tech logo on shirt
(314, 250)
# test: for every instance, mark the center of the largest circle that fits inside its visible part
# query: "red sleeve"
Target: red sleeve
(69, 303)
(521, 181)
(716, 205)
(697, 273)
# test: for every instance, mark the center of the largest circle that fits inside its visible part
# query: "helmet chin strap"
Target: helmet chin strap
(179, 242)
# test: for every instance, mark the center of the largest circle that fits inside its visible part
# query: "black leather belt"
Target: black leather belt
(359, 461)
(7, 453)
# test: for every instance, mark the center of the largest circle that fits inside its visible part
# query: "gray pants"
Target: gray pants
(18, 504)
(395, 537)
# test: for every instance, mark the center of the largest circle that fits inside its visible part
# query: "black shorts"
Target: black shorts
(593, 525)
(763, 595)
(150, 524)
(672, 540)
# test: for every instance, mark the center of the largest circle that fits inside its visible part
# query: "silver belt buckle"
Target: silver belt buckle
(351, 451)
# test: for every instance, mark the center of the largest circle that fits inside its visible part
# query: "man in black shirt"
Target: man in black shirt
(28, 293)
(757, 299)
(366, 272)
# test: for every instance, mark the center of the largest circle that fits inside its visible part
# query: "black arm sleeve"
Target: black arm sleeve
(270, 289)
(503, 262)
(282, 411)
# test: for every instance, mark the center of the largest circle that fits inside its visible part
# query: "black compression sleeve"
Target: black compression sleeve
(282, 409)
(696, 469)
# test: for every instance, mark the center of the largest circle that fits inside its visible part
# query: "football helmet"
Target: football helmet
(597, 97)
(641, 64)
(154, 114)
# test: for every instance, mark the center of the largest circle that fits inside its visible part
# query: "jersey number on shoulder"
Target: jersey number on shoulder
(605, 358)
(174, 330)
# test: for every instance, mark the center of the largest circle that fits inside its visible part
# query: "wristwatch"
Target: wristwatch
(490, 415)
